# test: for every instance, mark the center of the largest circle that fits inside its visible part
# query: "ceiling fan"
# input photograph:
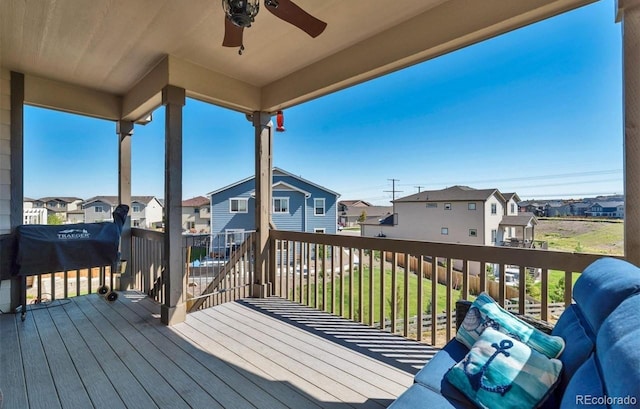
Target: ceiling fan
(239, 14)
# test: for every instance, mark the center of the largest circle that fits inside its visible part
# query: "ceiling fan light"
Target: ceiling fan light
(241, 12)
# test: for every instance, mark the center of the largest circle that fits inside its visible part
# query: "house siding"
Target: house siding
(300, 215)
(492, 220)
(5, 173)
(417, 221)
(222, 219)
(92, 216)
(5, 152)
(422, 220)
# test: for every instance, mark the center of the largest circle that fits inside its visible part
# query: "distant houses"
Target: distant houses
(145, 212)
(600, 207)
(196, 215)
(353, 212)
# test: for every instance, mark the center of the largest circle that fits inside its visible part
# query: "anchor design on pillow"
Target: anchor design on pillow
(477, 380)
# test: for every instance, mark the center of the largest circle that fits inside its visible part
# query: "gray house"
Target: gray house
(145, 212)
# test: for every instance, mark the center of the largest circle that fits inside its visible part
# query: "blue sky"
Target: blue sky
(537, 111)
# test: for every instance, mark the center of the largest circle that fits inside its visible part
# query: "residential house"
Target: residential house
(145, 212)
(196, 217)
(58, 206)
(612, 209)
(297, 205)
(458, 214)
(31, 215)
(350, 212)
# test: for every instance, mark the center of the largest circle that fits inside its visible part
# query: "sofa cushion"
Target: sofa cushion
(584, 387)
(485, 313)
(502, 372)
(618, 350)
(433, 373)
(578, 343)
(419, 396)
(602, 286)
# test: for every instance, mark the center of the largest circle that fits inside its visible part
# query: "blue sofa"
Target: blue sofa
(601, 359)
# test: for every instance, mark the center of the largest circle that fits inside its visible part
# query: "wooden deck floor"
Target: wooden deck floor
(258, 353)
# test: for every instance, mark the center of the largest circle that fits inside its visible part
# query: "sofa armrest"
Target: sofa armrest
(462, 307)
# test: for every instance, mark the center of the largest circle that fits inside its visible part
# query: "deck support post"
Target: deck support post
(124, 130)
(263, 180)
(629, 14)
(173, 309)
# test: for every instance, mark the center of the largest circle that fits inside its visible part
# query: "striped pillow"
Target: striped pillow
(486, 313)
(500, 372)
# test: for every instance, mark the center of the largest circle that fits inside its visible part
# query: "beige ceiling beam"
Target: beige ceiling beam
(146, 95)
(210, 86)
(47, 93)
(445, 28)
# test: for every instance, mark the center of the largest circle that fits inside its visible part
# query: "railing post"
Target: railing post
(173, 309)
(629, 14)
(263, 180)
(124, 129)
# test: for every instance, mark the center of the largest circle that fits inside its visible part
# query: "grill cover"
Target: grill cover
(53, 248)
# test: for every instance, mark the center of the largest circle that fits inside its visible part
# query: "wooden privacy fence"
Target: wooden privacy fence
(555, 309)
(458, 278)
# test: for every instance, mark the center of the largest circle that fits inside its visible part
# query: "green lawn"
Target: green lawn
(413, 291)
(556, 288)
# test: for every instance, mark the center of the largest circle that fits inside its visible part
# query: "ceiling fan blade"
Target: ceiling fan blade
(232, 34)
(293, 14)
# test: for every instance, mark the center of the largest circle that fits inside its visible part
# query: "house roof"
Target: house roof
(387, 220)
(609, 204)
(113, 200)
(357, 203)
(453, 194)
(522, 219)
(276, 170)
(66, 199)
(197, 201)
(511, 195)
(371, 211)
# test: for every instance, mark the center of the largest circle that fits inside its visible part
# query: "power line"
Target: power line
(393, 192)
(532, 177)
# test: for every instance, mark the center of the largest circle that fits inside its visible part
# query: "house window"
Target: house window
(444, 231)
(136, 223)
(318, 207)
(494, 208)
(513, 207)
(196, 210)
(471, 206)
(280, 205)
(494, 235)
(98, 209)
(319, 230)
(238, 205)
(135, 208)
(432, 205)
(447, 206)
(473, 233)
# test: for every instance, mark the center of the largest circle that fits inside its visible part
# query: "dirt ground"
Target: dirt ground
(589, 236)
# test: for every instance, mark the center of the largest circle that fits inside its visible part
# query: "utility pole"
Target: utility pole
(393, 192)
(419, 188)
